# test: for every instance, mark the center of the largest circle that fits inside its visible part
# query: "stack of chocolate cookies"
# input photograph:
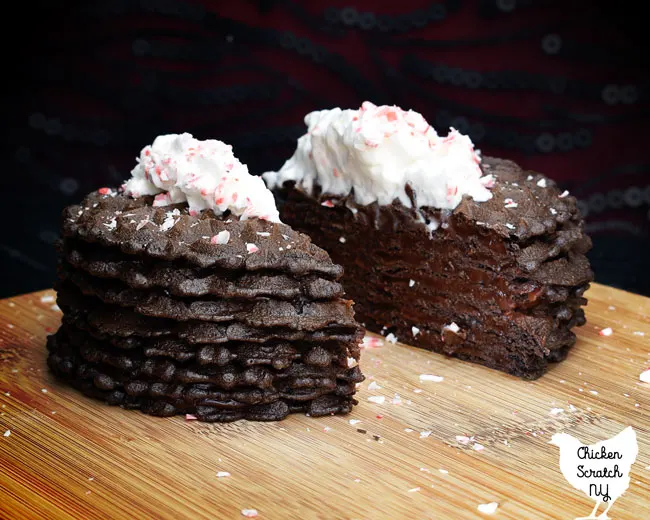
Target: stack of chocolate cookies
(444, 249)
(179, 312)
(500, 282)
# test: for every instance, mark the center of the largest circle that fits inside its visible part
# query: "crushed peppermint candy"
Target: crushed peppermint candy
(425, 434)
(463, 439)
(221, 238)
(396, 400)
(251, 248)
(510, 226)
(170, 221)
(411, 283)
(478, 447)
(377, 399)
(264, 233)
(373, 386)
(104, 191)
(392, 338)
(414, 490)
(415, 331)
(342, 240)
(190, 417)
(565, 193)
(542, 183)
(48, 298)
(222, 474)
(555, 411)
(7, 433)
(142, 223)
(431, 377)
(553, 211)
(328, 204)
(488, 509)
(638, 333)
(645, 376)
(371, 342)
(354, 421)
(112, 224)
(509, 203)
(452, 327)
(443, 471)
(606, 332)
(249, 513)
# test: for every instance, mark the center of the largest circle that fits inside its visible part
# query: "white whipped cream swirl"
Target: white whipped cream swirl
(377, 151)
(206, 174)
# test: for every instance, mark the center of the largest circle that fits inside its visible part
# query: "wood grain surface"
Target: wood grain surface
(67, 456)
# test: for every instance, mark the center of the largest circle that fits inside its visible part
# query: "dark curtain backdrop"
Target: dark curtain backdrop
(561, 87)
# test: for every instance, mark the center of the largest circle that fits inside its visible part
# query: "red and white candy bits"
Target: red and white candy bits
(221, 238)
(645, 376)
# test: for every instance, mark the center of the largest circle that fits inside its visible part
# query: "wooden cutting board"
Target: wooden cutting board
(68, 456)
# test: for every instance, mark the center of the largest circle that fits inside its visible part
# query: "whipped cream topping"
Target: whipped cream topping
(377, 151)
(206, 174)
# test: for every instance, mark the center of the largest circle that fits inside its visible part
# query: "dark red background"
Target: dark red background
(93, 82)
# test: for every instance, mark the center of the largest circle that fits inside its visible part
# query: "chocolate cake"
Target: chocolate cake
(200, 306)
(474, 258)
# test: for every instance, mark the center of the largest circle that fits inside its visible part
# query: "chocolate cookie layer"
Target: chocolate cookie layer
(204, 400)
(499, 282)
(143, 273)
(171, 233)
(298, 314)
(164, 313)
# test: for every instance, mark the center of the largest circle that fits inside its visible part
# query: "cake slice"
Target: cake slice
(183, 293)
(467, 256)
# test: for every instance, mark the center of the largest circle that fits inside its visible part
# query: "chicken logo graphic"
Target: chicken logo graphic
(601, 470)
